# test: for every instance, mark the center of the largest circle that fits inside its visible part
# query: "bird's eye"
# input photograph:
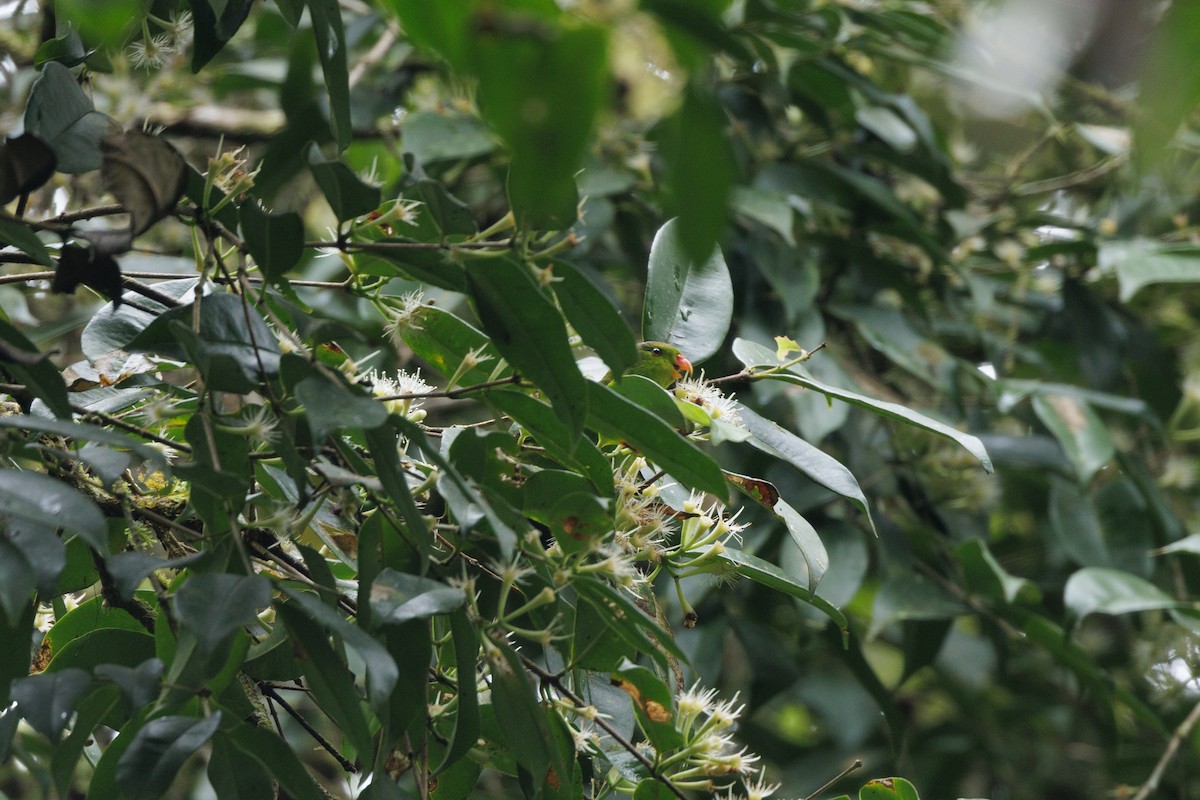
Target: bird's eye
(657, 351)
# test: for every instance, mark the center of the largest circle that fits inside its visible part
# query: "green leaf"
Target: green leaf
(67, 49)
(907, 596)
(138, 685)
(617, 418)
(1094, 590)
(805, 537)
(526, 726)
(23, 238)
(1082, 434)
(397, 598)
(44, 553)
(652, 397)
(689, 301)
(330, 680)
(451, 215)
(444, 340)
(17, 580)
(47, 701)
(629, 622)
(888, 789)
(125, 647)
(326, 16)
(752, 354)
(541, 89)
(275, 241)
(99, 705)
(234, 349)
(466, 721)
(236, 775)
(213, 25)
(986, 576)
(528, 330)
(652, 704)
(43, 500)
(1169, 88)
(539, 420)
(433, 136)
(594, 317)
(330, 406)
(62, 116)
(771, 576)
(701, 170)
(20, 359)
(382, 672)
(346, 193)
(130, 568)
(214, 605)
(276, 755)
(148, 767)
(1141, 262)
(824, 469)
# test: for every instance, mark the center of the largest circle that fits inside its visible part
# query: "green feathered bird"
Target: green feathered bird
(661, 363)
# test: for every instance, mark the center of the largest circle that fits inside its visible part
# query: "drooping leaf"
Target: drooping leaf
(652, 703)
(771, 576)
(47, 701)
(330, 33)
(332, 406)
(160, 747)
(235, 774)
(43, 500)
(594, 317)
(213, 605)
(397, 598)
(276, 241)
(1080, 431)
(213, 25)
(1099, 590)
(347, 194)
(26, 162)
(528, 330)
(24, 239)
(689, 302)
(613, 416)
(145, 173)
(20, 359)
(62, 116)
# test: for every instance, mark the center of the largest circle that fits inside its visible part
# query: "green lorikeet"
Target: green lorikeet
(660, 362)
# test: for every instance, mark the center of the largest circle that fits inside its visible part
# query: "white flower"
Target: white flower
(397, 392)
(404, 316)
(709, 398)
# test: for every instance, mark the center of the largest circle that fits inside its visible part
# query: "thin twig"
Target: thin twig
(270, 692)
(453, 393)
(857, 763)
(131, 428)
(1181, 733)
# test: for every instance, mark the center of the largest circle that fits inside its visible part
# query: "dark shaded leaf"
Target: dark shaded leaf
(79, 266)
(152, 761)
(213, 605)
(20, 359)
(26, 162)
(62, 116)
(45, 501)
(346, 193)
(397, 598)
(16, 234)
(594, 317)
(331, 406)
(330, 33)
(145, 173)
(213, 25)
(48, 701)
(276, 241)
(528, 330)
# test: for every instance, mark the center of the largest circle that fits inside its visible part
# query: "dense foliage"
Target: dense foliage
(325, 472)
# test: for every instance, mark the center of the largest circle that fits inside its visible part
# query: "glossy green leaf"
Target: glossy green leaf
(43, 552)
(213, 605)
(888, 789)
(128, 569)
(233, 348)
(62, 116)
(442, 28)
(276, 241)
(330, 406)
(1142, 262)
(451, 215)
(526, 725)
(528, 330)
(397, 598)
(98, 706)
(653, 704)
(23, 238)
(442, 135)
(17, 581)
(752, 354)
(629, 622)
(347, 194)
(138, 685)
(20, 359)
(652, 397)
(1079, 430)
(805, 537)
(617, 418)
(689, 301)
(466, 722)
(123, 646)
(822, 468)
(594, 317)
(47, 701)
(160, 747)
(444, 340)
(771, 576)
(43, 500)
(1099, 590)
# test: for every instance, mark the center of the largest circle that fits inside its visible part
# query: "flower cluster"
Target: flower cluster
(396, 393)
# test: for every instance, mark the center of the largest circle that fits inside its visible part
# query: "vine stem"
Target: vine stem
(1168, 754)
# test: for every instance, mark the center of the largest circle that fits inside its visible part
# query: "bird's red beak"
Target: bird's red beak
(682, 364)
